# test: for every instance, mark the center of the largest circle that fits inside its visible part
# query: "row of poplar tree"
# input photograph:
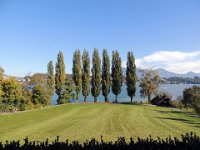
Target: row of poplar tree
(100, 78)
(37, 90)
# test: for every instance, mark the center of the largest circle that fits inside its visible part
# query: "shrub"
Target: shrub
(177, 103)
(188, 141)
(191, 96)
(162, 99)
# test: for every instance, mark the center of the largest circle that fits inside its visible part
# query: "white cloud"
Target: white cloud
(175, 61)
(184, 67)
(174, 56)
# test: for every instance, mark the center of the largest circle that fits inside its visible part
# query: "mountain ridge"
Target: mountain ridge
(162, 72)
(166, 74)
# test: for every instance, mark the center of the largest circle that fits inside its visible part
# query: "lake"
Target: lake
(173, 89)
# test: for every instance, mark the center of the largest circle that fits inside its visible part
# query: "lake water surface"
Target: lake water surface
(173, 89)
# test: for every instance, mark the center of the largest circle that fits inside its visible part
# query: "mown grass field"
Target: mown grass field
(84, 121)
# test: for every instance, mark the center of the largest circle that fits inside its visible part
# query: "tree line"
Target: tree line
(101, 78)
(105, 77)
(93, 77)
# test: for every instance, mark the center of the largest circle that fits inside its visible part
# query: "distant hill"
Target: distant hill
(167, 74)
(8, 76)
(69, 76)
(162, 72)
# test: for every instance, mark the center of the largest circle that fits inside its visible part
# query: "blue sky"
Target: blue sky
(33, 31)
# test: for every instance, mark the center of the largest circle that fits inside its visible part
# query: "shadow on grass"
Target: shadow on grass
(191, 114)
(190, 122)
(175, 118)
(129, 103)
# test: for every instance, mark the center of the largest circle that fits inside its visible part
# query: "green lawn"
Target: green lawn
(84, 121)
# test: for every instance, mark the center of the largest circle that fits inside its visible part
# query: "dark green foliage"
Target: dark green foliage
(76, 72)
(131, 75)
(26, 100)
(60, 75)
(85, 74)
(96, 75)
(149, 83)
(40, 96)
(106, 75)
(189, 141)
(191, 96)
(40, 90)
(39, 83)
(66, 93)
(50, 78)
(117, 75)
(162, 99)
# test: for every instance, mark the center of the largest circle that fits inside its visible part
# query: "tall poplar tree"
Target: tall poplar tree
(117, 76)
(131, 75)
(76, 72)
(96, 75)
(60, 75)
(105, 75)
(50, 78)
(85, 74)
(66, 93)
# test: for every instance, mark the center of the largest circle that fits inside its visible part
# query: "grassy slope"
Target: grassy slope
(83, 121)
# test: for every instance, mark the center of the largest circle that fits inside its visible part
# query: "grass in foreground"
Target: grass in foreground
(84, 121)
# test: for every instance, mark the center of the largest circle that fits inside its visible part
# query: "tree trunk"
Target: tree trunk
(85, 99)
(131, 99)
(106, 99)
(95, 99)
(149, 98)
(58, 100)
(116, 99)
